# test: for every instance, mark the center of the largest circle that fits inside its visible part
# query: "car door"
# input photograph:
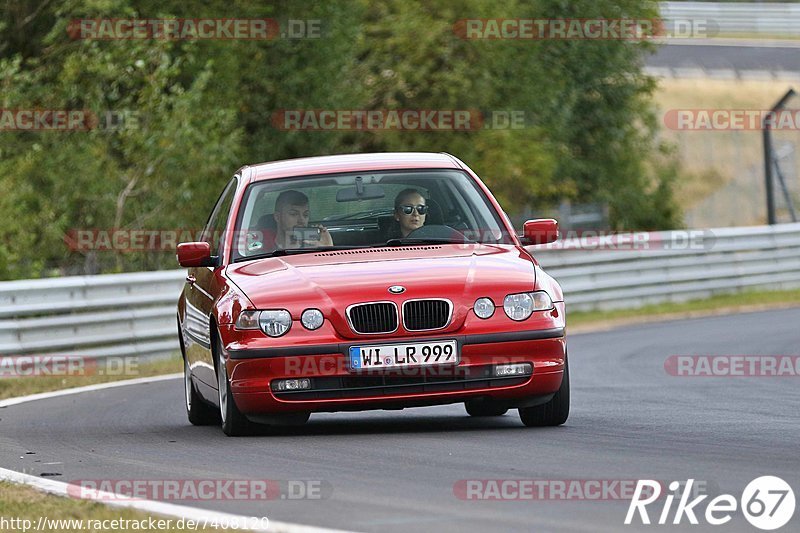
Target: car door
(202, 290)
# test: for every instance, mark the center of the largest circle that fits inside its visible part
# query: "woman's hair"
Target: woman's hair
(402, 195)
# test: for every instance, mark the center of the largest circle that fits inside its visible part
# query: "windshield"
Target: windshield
(355, 210)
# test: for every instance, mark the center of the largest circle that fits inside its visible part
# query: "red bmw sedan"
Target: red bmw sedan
(368, 281)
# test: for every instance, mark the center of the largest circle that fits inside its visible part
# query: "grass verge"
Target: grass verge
(19, 504)
(722, 169)
(720, 304)
(23, 386)
(744, 36)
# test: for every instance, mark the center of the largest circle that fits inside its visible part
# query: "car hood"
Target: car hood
(336, 279)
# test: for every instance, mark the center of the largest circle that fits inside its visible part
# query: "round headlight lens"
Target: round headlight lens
(484, 307)
(312, 319)
(275, 322)
(518, 306)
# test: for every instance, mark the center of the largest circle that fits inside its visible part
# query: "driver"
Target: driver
(292, 213)
(410, 210)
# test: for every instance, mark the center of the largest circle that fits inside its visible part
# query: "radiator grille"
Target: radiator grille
(378, 317)
(421, 315)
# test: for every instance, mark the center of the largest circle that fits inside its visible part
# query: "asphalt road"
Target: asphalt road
(395, 471)
(727, 57)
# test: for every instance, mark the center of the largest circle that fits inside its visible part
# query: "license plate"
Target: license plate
(404, 355)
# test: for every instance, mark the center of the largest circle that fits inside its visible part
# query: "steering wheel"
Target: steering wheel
(438, 231)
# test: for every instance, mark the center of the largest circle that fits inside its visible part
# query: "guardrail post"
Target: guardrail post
(768, 174)
(768, 157)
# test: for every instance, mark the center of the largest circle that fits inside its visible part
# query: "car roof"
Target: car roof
(331, 164)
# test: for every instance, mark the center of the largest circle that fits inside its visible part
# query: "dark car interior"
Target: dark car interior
(362, 232)
(368, 227)
(361, 212)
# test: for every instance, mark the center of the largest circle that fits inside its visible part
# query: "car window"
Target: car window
(326, 208)
(359, 210)
(213, 233)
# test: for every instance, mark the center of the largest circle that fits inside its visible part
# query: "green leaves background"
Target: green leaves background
(200, 109)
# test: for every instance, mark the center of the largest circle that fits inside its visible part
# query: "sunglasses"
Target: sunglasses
(408, 209)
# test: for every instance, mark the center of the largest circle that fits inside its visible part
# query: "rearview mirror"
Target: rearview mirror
(195, 254)
(360, 191)
(540, 231)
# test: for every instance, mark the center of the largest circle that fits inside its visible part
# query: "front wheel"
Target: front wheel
(553, 413)
(234, 423)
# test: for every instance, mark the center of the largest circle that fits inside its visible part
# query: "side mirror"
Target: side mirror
(540, 231)
(195, 254)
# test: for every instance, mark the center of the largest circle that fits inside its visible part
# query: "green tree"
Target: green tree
(196, 110)
(173, 150)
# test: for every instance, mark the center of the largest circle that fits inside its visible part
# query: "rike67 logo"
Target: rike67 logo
(767, 503)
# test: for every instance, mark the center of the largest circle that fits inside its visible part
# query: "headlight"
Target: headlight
(541, 301)
(312, 319)
(275, 322)
(247, 320)
(484, 307)
(520, 306)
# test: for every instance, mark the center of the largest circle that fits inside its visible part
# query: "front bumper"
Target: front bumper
(336, 388)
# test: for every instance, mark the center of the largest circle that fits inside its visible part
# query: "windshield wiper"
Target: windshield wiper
(281, 252)
(361, 215)
(411, 242)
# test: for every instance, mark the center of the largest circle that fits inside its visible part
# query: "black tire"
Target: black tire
(553, 413)
(234, 423)
(197, 410)
(482, 408)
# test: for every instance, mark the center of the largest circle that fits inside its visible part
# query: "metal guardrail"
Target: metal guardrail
(91, 316)
(769, 18)
(731, 260)
(134, 314)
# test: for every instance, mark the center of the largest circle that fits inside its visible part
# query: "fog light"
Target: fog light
(292, 384)
(484, 307)
(312, 319)
(518, 369)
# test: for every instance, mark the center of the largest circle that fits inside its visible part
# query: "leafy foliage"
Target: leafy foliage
(193, 111)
